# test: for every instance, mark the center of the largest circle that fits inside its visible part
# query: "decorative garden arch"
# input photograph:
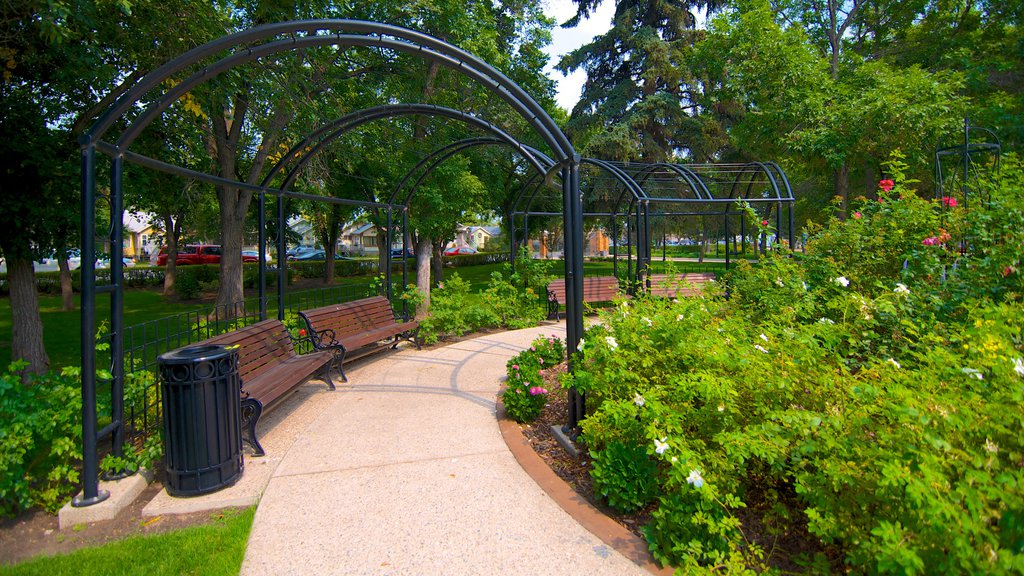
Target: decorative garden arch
(228, 53)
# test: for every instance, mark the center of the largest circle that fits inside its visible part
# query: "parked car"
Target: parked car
(198, 254)
(296, 252)
(314, 254)
(255, 255)
(459, 251)
(397, 253)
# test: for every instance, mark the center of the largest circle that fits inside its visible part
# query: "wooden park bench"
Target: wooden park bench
(678, 285)
(269, 369)
(595, 289)
(356, 328)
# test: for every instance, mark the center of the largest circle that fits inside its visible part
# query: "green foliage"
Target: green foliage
(40, 439)
(453, 311)
(871, 403)
(511, 305)
(191, 281)
(624, 475)
(142, 403)
(525, 395)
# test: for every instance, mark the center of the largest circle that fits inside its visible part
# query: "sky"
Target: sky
(564, 41)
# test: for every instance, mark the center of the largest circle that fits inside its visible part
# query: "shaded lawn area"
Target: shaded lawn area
(214, 549)
(61, 329)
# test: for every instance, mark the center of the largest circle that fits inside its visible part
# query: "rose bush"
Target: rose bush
(864, 398)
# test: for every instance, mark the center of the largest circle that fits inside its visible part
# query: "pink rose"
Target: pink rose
(857, 215)
(886, 185)
(949, 202)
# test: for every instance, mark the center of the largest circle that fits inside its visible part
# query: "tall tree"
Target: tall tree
(640, 97)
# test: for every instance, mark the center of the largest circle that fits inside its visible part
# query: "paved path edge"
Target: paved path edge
(586, 514)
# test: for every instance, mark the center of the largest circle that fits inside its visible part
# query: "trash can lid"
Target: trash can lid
(190, 354)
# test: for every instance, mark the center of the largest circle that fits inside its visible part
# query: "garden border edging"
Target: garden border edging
(609, 531)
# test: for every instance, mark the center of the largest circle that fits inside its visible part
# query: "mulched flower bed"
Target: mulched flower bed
(574, 471)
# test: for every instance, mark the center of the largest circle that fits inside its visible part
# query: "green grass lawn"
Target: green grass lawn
(61, 329)
(212, 549)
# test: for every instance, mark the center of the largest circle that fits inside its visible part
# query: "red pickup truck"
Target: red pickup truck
(197, 254)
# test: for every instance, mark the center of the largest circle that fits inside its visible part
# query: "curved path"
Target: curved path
(405, 472)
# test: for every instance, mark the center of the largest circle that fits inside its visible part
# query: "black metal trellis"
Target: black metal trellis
(958, 168)
(642, 192)
(242, 48)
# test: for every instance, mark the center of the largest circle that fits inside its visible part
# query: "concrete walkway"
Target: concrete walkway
(404, 471)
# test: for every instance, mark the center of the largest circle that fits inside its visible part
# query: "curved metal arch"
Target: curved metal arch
(430, 170)
(454, 148)
(782, 176)
(458, 144)
(356, 119)
(625, 179)
(686, 173)
(771, 180)
(408, 41)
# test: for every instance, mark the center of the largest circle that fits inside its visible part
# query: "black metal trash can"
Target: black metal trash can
(202, 419)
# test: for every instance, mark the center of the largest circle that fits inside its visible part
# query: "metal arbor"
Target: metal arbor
(151, 95)
(958, 168)
(638, 193)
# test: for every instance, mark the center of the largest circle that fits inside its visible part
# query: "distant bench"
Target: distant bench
(595, 289)
(269, 369)
(356, 328)
(679, 285)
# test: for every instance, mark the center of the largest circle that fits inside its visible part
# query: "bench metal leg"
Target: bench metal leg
(411, 336)
(327, 375)
(251, 411)
(553, 309)
(339, 361)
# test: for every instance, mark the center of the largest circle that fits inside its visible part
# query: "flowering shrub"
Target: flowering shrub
(525, 395)
(866, 395)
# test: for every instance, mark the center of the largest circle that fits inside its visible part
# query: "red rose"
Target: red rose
(764, 222)
(949, 201)
(302, 332)
(886, 184)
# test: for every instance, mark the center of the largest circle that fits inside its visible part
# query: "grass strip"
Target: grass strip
(212, 549)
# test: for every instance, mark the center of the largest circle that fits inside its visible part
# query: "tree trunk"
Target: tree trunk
(232, 203)
(26, 324)
(171, 270)
(870, 179)
(330, 249)
(67, 293)
(383, 247)
(423, 254)
(841, 179)
(437, 262)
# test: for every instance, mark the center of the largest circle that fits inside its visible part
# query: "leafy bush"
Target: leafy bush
(525, 395)
(624, 475)
(867, 394)
(40, 439)
(453, 312)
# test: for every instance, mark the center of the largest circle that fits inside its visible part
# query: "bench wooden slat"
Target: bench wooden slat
(676, 285)
(356, 327)
(595, 289)
(269, 368)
